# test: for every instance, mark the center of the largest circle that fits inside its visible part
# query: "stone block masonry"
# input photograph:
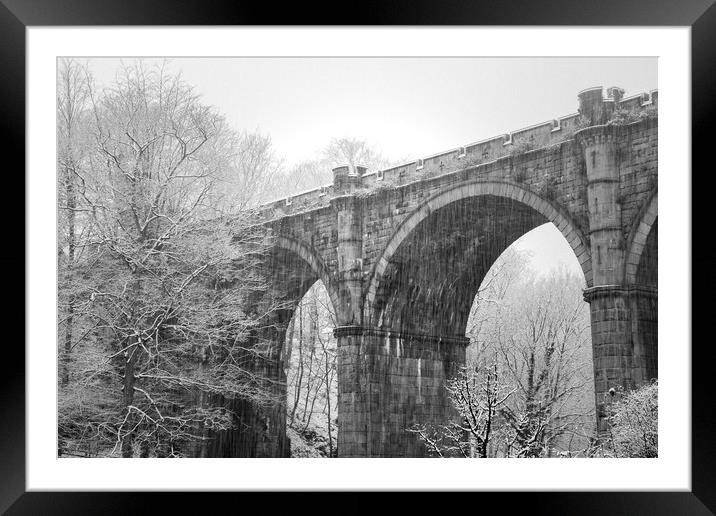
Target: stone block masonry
(402, 253)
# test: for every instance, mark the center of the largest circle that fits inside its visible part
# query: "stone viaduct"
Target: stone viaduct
(403, 251)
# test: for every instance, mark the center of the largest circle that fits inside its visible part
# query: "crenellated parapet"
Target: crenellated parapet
(596, 107)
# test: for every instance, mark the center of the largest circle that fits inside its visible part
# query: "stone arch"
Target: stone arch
(261, 430)
(314, 262)
(637, 241)
(548, 210)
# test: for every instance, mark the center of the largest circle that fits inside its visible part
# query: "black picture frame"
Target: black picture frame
(700, 15)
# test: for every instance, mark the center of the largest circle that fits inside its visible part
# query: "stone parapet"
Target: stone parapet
(595, 109)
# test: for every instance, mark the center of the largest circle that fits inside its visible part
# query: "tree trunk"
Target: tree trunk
(328, 400)
(482, 449)
(69, 323)
(288, 345)
(127, 400)
(297, 390)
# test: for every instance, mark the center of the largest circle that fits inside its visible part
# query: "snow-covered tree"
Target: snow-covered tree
(634, 422)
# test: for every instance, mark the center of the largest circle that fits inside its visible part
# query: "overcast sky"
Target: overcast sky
(405, 107)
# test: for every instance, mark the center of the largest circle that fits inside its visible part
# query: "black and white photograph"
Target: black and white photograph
(357, 257)
(352, 258)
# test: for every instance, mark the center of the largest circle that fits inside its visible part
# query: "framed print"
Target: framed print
(419, 237)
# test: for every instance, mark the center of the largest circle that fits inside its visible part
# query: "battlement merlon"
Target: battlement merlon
(596, 106)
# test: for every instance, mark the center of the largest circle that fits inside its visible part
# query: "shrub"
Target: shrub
(377, 188)
(521, 147)
(548, 188)
(634, 422)
(582, 122)
(624, 116)
(472, 161)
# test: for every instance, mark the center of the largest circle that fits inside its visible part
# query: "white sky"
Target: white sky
(405, 107)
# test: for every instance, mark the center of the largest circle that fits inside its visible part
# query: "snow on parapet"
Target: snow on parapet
(527, 138)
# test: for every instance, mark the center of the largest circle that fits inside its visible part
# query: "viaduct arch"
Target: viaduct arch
(318, 270)
(498, 189)
(641, 239)
(291, 268)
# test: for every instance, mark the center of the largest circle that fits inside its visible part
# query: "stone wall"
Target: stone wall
(387, 383)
